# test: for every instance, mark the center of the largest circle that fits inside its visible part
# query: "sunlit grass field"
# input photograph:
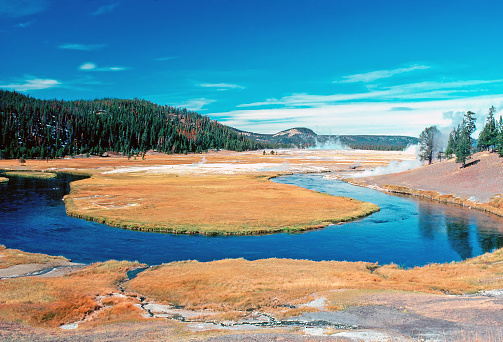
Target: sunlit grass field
(207, 204)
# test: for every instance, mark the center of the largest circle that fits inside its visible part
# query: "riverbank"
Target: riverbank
(29, 174)
(222, 300)
(478, 186)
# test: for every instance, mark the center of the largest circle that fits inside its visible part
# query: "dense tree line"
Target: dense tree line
(33, 128)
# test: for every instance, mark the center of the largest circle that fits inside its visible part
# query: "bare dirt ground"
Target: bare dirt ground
(479, 181)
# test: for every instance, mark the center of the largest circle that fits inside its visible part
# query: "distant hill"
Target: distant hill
(306, 138)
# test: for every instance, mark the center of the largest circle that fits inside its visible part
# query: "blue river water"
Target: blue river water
(405, 231)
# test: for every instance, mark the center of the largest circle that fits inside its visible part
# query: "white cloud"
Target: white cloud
(412, 91)
(89, 66)
(360, 117)
(196, 104)
(82, 47)
(105, 9)
(220, 86)
(20, 8)
(33, 84)
(375, 75)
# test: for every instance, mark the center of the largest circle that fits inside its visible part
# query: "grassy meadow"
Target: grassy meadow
(207, 204)
(278, 285)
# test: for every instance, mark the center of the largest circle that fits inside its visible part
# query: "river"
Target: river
(406, 231)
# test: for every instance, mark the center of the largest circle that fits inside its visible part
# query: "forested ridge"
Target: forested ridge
(34, 128)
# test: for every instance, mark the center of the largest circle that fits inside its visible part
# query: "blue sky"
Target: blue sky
(337, 67)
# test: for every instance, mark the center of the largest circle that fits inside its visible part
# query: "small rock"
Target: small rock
(69, 326)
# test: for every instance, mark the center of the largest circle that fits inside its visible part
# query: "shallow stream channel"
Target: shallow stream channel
(406, 231)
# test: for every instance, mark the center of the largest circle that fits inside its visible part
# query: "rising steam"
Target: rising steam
(395, 166)
(330, 144)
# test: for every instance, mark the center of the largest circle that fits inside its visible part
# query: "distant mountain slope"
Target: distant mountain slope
(33, 128)
(304, 138)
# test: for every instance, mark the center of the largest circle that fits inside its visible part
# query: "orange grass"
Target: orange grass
(59, 300)
(207, 204)
(3, 180)
(11, 257)
(272, 284)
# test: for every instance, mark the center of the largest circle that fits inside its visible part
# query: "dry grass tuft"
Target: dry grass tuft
(11, 257)
(60, 300)
(3, 180)
(70, 308)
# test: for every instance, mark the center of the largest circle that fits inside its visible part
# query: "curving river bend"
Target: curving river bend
(406, 231)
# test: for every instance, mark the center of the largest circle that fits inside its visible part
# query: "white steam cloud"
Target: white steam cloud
(331, 144)
(394, 166)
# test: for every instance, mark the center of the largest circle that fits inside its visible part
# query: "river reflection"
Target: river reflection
(405, 231)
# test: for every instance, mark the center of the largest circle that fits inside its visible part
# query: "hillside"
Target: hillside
(478, 182)
(305, 138)
(33, 128)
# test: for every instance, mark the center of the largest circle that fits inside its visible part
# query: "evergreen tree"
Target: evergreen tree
(452, 143)
(429, 143)
(488, 136)
(463, 148)
(469, 123)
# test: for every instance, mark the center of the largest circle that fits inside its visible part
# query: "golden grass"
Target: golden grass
(272, 284)
(54, 301)
(29, 174)
(11, 257)
(3, 180)
(207, 204)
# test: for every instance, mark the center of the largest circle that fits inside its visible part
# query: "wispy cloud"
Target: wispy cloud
(26, 24)
(89, 66)
(412, 91)
(20, 8)
(379, 74)
(220, 86)
(32, 84)
(196, 104)
(105, 9)
(81, 47)
(163, 59)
